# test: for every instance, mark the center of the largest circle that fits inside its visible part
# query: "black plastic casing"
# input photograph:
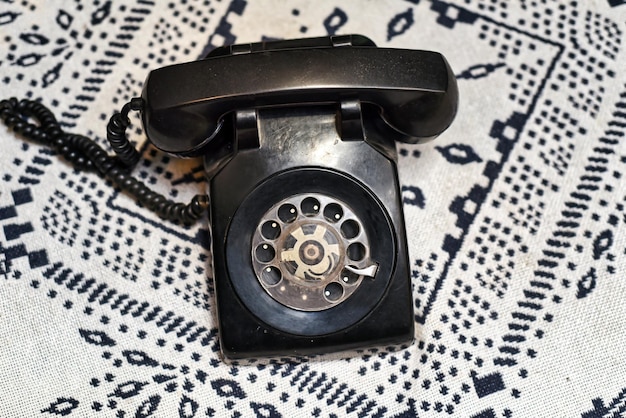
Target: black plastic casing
(296, 142)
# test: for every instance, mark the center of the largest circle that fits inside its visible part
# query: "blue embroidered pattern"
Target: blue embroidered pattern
(515, 220)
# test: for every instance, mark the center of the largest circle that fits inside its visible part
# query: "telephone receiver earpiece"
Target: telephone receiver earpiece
(184, 105)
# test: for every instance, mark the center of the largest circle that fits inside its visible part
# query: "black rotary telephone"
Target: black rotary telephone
(298, 140)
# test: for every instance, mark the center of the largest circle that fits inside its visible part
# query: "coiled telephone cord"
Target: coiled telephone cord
(85, 154)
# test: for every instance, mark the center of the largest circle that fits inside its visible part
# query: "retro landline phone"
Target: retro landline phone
(298, 140)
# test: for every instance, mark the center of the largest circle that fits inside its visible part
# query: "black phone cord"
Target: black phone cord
(85, 154)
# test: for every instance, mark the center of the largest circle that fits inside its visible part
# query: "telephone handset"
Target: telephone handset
(415, 91)
(298, 139)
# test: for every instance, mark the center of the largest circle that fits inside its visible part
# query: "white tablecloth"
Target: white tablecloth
(515, 215)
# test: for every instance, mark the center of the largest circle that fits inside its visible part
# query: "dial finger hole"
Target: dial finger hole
(270, 230)
(348, 277)
(287, 213)
(265, 253)
(271, 276)
(310, 206)
(333, 292)
(356, 251)
(333, 212)
(350, 229)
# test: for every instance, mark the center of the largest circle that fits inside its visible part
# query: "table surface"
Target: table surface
(515, 221)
